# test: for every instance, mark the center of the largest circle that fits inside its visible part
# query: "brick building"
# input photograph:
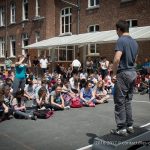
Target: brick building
(23, 22)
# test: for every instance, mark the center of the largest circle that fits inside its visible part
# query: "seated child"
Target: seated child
(57, 101)
(100, 93)
(19, 107)
(87, 95)
(5, 102)
(42, 99)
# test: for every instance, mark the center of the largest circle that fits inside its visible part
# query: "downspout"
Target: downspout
(6, 32)
(78, 8)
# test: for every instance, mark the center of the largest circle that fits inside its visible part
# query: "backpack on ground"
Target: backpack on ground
(75, 103)
(43, 114)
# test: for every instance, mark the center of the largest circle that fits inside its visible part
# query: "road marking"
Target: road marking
(141, 101)
(84, 148)
(89, 146)
(145, 125)
(136, 101)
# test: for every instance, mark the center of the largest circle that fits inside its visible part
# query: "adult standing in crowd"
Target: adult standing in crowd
(20, 72)
(124, 75)
(89, 65)
(76, 65)
(104, 64)
(35, 66)
(43, 65)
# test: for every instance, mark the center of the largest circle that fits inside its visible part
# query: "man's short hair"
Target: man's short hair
(122, 25)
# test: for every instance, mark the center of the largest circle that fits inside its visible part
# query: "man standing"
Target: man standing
(76, 65)
(43, 65)
(124, 75)
(35, 66)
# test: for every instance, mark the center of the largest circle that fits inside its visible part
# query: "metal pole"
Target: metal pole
(6, 31)
(78, 3)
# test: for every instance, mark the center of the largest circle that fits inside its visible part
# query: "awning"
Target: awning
(138, 33)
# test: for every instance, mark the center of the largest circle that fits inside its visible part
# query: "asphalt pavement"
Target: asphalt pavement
(69, 129)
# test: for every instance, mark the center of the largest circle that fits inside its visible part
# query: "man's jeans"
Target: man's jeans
(123, 95)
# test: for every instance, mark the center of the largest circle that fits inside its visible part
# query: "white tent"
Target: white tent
(138, 33)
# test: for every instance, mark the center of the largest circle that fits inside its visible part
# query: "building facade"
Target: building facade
(23, 22)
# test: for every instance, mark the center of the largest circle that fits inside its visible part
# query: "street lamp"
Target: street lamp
(78, 8)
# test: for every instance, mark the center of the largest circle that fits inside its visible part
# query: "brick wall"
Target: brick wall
(105, 15)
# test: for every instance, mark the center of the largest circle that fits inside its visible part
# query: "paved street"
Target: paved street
(69, 129)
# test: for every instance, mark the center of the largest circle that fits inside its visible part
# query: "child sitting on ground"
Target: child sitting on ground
(5, 103)
(43, 99)
(100, 93)
(87, 95)
(19, 107)
(57, 101)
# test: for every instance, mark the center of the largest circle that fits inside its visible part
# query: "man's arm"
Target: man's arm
(116, 61)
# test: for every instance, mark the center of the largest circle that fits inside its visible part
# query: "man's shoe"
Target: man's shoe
(130, 129)
(121, 132)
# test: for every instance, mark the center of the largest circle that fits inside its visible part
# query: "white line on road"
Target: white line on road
(84, 148)
(145, 125)
(137, 101)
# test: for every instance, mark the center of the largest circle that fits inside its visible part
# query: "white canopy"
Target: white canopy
(138, 33)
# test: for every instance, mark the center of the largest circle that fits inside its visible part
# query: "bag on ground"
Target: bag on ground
(43, 114)
(75, 103)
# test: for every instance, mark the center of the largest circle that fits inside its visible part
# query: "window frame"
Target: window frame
(25, 38)
(66, 49)
(37, 8)
(24, 3)
(12, 13)
(2, 16)
(2, 47)
(37, 39)
(94, 4)
(37, 36)
(130, 21)
(63, 23)
(12, 40)
(95, 45)
(124, 1)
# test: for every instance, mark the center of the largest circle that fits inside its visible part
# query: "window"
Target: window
(37, 8)
(24, 9)
(37, 36)
(2, 16)
(93, 3)
(123, 1)
(37, 39)
(2, 47)
(12, 46)
(65, 53)
(12, 13)
(93, 28)
(25, 41)
(65, 21)
(92, 48)
(132, 22)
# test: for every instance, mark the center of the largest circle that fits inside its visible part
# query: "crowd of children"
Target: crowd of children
(57, 91)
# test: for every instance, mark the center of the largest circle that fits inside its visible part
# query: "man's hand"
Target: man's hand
(113, 79)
